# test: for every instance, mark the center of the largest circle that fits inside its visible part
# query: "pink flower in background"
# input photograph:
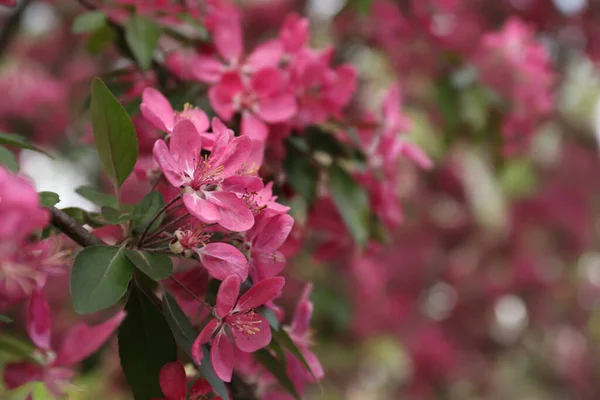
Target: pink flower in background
(205, 179)
(235, 319)
(20, 211)
(58, 368)
(264, 239)
(8, 3)
(173, 383)
(263, 99)
(157, 110)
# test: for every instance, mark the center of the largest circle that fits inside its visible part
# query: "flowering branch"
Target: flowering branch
(72, 229)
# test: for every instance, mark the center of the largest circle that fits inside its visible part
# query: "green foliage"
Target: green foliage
(277, 368)
(145, 345)
(99, 278)
(8, 159)
(90, 21)
(142, 36)
(100, 39)
(156, 266)
(20, 142)
(145, 211)
(97, 197)
(4, 319)
(114, 134)
(114, 216)
(351, 201)
(48, 199)
(302, 174)
(185, 335)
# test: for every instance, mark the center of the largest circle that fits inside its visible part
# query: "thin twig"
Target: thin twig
(188, 291)
(167, 226)
(158, 214)
(73, 229)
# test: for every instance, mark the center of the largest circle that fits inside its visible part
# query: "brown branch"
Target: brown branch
(73, 229)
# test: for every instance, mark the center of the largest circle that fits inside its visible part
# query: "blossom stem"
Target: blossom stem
(189, 292)
(158, 214)
(167, 226)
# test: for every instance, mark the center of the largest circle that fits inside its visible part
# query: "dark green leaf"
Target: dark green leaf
(100, 39)
(321, 140)
(97, 197)
(5, 319)
(48, 199)
(362, 7)
(351, 201)
(301, 173)
(99, 278)
(84, 217)
(113, 216)
(142, 36)
(146, 210)
(156, 266)
(146, 344)
(282, 337)
(114, 134)
(8, 159)
(20, 142)
(88, 22)
(185, 335)
(277, 368)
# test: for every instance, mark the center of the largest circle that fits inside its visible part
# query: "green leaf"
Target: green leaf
(20, 142)
(146, 344)
(321, 140)
(97, 197)
(8, 159)
(5, 319)
(277, 368)
(84, 217)
(100, 39)
(113, 216)
(282, 337)
(99, 278)
(146, 210)
(142, 36)
(40, 392)
(351, 201)
(48, 199)
(114, 134)
(88, 22)
(156, 266)
(362, 7)
(185, 335)
(302, 175)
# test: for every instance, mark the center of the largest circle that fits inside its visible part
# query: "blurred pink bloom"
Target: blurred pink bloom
(263, 99)
(236, 317)
(58, 367)
(173, 383)
(264, 240)
(157, 110)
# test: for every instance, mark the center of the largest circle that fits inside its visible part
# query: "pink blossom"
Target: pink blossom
(173, 383)
(322, 92)
(220, 259)
(58, 368)
(264, 240)
(237, 324)
(208, 181)
(263, 99)
(20, 211)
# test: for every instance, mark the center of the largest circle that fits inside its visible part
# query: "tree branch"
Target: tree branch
(73, 229)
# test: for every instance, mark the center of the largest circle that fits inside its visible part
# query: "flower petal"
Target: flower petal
(278, 108)
(222, 357)
(233, 212)
(274, 233)
(157, 110)
(264, 55)
(203, 338)
(232, 156)
(18, 374)
(200, 387)
(185, 146)
(261, 293)
(222, 95)
(83, 340)
(253, 127)
(243, 184)
(167, 163)
(222, 260)
(259, 338)
(227, 36)
(197, 116)
(39, 320)
(227, 295)
(207, 68)
(200, 208)
(173, 381)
